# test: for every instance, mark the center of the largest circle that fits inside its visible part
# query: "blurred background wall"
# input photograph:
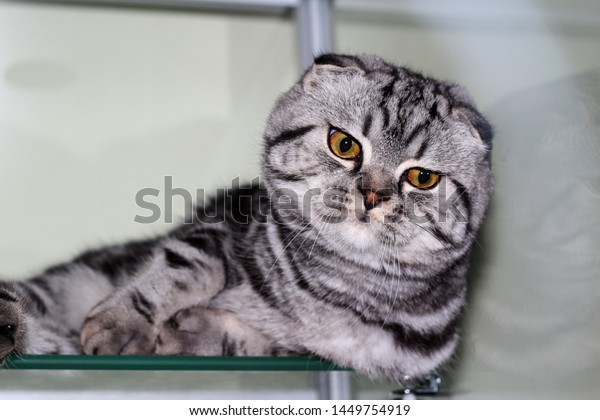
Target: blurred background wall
(99, 102)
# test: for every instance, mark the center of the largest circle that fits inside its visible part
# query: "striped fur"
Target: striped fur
(314, 269)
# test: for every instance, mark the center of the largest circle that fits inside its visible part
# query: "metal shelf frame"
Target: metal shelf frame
(313, 17)
(170, 363)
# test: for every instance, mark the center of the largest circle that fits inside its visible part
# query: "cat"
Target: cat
(354, 247)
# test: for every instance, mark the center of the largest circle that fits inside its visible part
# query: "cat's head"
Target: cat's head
(371, 154)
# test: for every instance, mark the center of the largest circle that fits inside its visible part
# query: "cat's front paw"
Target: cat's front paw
(116, 327)
(11, 324)
(211, 332)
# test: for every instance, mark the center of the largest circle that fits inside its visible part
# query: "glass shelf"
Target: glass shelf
(173, 363)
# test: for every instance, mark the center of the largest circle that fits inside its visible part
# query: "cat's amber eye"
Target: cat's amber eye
(422, 178)
(342, 145)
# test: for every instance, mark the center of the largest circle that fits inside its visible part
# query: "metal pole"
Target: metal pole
(313, 17)
(315, 25)
(322, 383)
(314, 30)
(334, 385)
(232, 6)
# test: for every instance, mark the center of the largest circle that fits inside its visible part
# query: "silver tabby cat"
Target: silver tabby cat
(355, 247)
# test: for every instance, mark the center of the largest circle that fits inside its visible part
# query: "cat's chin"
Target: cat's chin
(358, 234)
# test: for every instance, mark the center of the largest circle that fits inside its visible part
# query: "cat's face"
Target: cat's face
(377, 156)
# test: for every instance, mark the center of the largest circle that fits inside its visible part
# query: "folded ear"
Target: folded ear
(463, 109)
(328, 66)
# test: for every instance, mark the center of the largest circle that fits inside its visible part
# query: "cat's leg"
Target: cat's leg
(44, 314)
(211, 332)
(182, 271)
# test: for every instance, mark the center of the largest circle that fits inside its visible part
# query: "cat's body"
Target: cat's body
(355, 249)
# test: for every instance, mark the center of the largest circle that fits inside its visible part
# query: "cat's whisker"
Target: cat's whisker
(476, 242)
(398, 285)
(430, 233)
(300, 230)
(381, 268)
(387, 244)
(317, 237)
(308, 231)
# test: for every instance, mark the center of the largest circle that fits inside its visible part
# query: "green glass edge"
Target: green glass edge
(174, 363)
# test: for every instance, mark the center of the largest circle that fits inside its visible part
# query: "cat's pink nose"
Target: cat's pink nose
(372, 199)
